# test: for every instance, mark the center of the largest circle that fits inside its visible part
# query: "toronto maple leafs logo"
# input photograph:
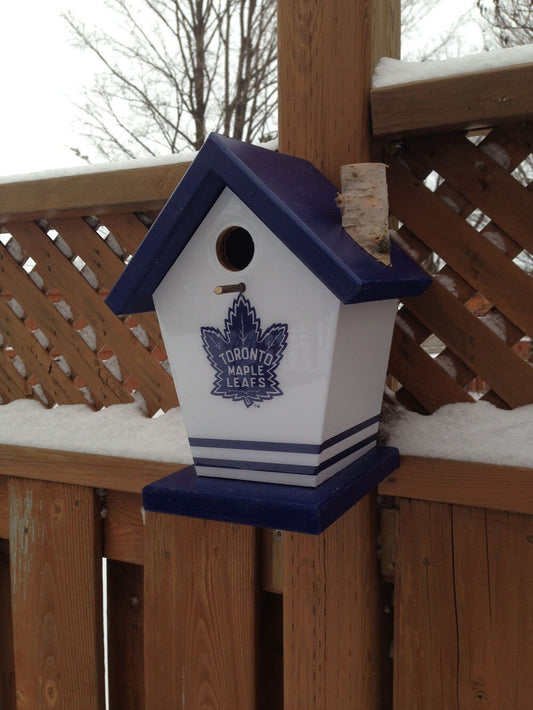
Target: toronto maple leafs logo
(244, 358)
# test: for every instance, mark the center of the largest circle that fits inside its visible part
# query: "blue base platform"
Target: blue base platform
(269, 505)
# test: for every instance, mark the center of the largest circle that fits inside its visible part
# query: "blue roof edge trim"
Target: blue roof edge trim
(293, 199)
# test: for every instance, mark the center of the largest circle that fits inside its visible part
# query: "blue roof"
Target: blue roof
(293, 199)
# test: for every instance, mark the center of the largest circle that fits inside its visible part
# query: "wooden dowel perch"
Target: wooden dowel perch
(364, 206)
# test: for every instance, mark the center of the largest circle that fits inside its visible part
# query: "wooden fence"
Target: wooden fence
(459, 535)
(205, 615)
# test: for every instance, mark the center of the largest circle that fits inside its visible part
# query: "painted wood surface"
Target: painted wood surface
(472, 100)
(56, 596)
(463, 608)
(200, 606)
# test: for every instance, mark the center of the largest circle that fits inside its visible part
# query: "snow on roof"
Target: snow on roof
(390, 72)
(465, 432)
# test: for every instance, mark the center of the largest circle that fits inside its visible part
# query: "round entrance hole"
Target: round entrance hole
(235, 248)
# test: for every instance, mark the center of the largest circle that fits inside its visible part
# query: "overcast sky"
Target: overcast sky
(41, 72)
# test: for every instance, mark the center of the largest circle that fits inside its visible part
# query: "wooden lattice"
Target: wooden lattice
(60, 343)
(466, 213)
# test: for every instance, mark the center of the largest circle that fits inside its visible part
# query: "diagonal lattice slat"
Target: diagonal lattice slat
(466, 214)
(61, 343)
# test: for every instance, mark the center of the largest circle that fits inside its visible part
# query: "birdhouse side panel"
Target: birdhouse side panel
(357, 381)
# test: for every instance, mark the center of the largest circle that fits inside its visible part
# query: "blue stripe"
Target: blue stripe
(284, 468)
(280, 446)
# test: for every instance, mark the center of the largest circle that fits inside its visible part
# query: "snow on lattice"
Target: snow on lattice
(89, 275)
(37, 279)
(141, 335)
(64, 308)
(18, 364)
(497, 153)
(495, 238)
(113, 366)
(447, 281)
(63, 365)
(63, 247)
(86, 392)
(89, 336)
(38, 390)
(447, 364)
(41, 338)
(450, 202)
(15, 250)
(496, 322)
(16, 307)
(114, 245)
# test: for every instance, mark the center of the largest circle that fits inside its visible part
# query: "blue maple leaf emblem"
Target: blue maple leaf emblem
(244, 358)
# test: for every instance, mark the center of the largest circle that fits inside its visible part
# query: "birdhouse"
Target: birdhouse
(278, 328)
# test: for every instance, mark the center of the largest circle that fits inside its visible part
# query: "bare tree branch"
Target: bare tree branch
(174, 70)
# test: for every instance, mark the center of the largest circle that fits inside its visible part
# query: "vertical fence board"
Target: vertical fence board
(463, 608)
(56, 596)
(425, 637)
(333, 640)
(7, 669)
(125, 620)
(200, 607)
(510, 557)
(494, 592)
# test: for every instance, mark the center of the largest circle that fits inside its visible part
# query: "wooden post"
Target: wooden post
(56, 592)
(334, 646)
(200, 614)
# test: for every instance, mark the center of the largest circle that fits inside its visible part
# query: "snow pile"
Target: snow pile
(465, 432)
(119, 430)
(389, 71)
